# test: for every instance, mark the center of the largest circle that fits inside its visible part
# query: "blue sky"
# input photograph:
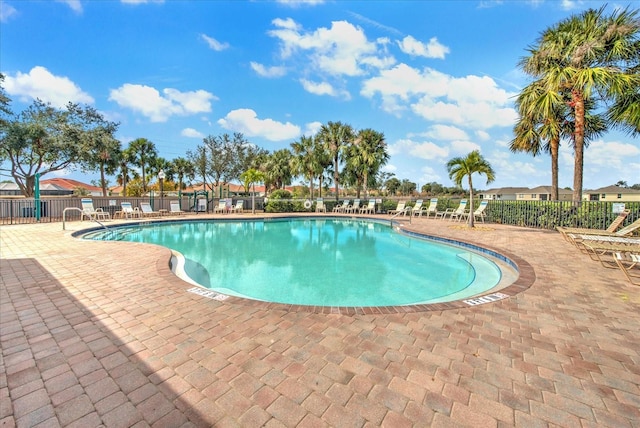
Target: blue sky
(438, 78)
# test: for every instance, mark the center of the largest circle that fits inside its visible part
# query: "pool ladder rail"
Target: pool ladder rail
(403, 212)
(64, 217)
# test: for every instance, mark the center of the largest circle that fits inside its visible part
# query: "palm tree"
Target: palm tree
(545, 118)
(471, 164)
(278, 170)
(587, 57)
(143, 152)
(183, 169)
(334, 136)
(303, 160)
(365, 157)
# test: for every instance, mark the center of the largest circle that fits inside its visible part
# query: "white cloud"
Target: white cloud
(607, 156)
(471, 101)
(425, 150)
(159, 107)
(413, 47)
(510, 170)
(214, 44)
(323, 88)
(191, 133)
(312, 128)
(483, 135)
(341, 50)
(445, 132)
(7, 12)
(246, 121)
(263, 71)
(41, 83)
(429, 175)
(75, 5)
(463, 147)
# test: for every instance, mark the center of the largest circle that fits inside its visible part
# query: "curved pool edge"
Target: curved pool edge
(525, 279)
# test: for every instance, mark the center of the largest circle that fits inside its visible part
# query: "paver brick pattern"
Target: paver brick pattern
(103, 334)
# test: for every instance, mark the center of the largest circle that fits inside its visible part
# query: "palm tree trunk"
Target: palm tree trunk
(555, 144)
(471, 218)
(578, 141)
(103, 182)
(336, 175)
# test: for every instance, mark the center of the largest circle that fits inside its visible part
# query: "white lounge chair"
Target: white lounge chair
(615, 224)
(370, 208)
(453, 213)
(238, 207)
(353, 208)
(417, 208)
(341, 208)
(320, 206)
(400, 208)
(92, 213)
(431, 209)
(221, 207)
(128, 211)
(479, 212)
(147, 211)
(175, 208)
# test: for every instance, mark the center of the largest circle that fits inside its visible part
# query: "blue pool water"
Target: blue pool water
(320, 262)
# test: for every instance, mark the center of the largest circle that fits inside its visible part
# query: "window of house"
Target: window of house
(603, 196)
(619, 195)
(533, 196)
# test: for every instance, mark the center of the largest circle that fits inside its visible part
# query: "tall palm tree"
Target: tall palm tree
(587, 57)
(545, 118)
(473, 163)
(143, 152)
(278, 170)
(183, 168)
(335, 136)
(303, 160)
(366, 155)
(250, 177)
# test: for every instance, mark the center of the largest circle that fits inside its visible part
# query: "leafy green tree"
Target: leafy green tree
(407, 187)
(473, 163)
(589, 57)
(249, 178)
(335, 136)
(143, 153)
(393, 185)
(43, 139)
(200, 162)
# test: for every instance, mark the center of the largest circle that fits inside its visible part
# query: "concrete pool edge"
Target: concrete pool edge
(525, 279)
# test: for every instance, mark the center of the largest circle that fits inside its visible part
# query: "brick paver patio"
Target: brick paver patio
(103, 334)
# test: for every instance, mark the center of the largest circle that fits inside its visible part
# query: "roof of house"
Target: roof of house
(547, 190)
(614, 189)
(68, 184)
(507, 190)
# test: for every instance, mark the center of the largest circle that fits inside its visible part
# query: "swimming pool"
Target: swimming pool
(317, 261)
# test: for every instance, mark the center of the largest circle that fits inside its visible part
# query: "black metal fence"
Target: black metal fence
(534, 214)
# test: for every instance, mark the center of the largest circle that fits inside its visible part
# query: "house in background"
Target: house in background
(612, 194)
(503, 193)
(540, 193)
(53, 187)
(543, 193)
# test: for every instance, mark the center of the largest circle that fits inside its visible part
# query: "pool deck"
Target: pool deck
(103, 334)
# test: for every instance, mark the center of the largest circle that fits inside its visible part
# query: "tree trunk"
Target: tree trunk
(578, 141)
(103, 182)
(471, 218)
(336, 175)
(555, 144)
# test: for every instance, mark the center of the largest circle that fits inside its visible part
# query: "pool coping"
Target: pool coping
(525, 279)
